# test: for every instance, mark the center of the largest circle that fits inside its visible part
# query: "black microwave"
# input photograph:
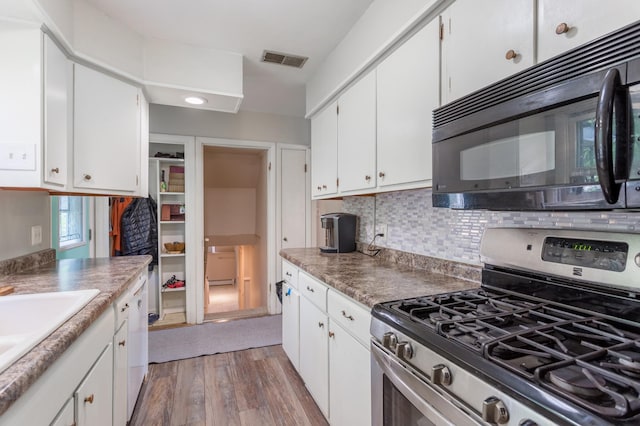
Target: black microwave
(561, 135)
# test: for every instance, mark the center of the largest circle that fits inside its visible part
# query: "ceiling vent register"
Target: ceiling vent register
(283, 58)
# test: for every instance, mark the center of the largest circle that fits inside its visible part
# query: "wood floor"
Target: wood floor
(251, 387)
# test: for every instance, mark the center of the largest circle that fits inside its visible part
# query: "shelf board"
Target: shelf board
(167, 160)
(171, 254)
(166, 222)
(171, 290)
(171, 193)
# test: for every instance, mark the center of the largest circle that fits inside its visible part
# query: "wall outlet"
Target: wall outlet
(36, 235)
(381, 228)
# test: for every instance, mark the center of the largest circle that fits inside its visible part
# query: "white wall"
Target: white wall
(19, 210)
(229, 211)
(244, 125)
(382, 24)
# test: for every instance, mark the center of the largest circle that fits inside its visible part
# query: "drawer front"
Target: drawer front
(313, 290)
(122, 308)
(353, 317)
(290, 274)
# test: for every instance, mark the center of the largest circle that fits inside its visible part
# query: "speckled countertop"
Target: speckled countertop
(370, 280)
(111, 276)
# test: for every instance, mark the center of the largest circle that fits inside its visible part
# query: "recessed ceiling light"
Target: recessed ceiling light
(195, 100)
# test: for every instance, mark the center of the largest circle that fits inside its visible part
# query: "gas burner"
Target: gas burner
(573, 380)
(436, 317)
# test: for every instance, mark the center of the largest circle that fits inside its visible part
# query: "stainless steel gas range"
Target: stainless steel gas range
(551, 337)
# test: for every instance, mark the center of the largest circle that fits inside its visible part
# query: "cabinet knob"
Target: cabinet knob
(319, 188)
(562, 28)
(122, 343)
(324, 186)
(332, 334)
(285, 239)
(55, 170)
(381, 174)
(320, 324)
(349, 317)
(87, 177)
(511, 54)
(367, 178)
(89, 399)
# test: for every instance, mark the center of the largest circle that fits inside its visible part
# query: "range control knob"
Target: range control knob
(404, 350)
(527, 422)
(389, 340)
(441, 375)
(494, 411)
(637, 259)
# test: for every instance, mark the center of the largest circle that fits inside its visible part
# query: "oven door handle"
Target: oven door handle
(425, 398)
(609, 96)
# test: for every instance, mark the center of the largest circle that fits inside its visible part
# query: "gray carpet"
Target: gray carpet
(211, 338)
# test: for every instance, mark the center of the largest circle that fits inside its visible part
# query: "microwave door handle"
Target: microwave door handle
(604, 136)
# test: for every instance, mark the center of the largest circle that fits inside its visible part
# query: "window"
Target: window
(71, 222)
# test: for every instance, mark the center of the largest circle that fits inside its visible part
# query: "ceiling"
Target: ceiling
(301, 27)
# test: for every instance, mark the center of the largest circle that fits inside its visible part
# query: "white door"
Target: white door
(357, 135)
(291, 324)
(563, 25)
(294, 195)
(314, 353)
(324, 152)
(478, 35)
(94, 399)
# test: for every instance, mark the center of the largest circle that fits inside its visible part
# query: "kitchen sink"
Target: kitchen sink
(27, 319)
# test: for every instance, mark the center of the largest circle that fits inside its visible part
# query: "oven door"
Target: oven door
(403, 397)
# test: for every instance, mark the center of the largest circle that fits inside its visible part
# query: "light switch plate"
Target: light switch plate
(36, 235)
(17, 156)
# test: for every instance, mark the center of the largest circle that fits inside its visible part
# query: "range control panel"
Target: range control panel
(606, 255)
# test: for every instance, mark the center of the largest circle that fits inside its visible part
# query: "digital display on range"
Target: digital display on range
(607, 255)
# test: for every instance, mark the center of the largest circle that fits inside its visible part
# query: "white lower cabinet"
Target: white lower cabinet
(314, 353)
(334, 356)
(120, 355)
(349, 379)
(290, 324)
(93, 398)
(66, 416)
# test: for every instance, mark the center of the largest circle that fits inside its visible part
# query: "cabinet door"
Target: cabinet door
(94, 399)
(57, 88)
(357, 136)
(578, 22)
(349, 379)
(65, 417)
(477, 38)
(291, 324)
(408, 92)
(294, 198)
(106, 132)
(324, 152)
(120, 347)
(314, 353)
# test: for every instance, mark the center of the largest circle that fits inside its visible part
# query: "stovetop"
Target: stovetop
(588, 358)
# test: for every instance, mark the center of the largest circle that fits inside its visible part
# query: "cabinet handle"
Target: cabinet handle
(87, 177)
(288, 273)
(511, 54)
(321, 324)
(332, 334)
(367, 178)
(285, 239)
(562, 28)
(381, 174)
(122, 343)
(55, 170)
(125, 307)
(89, 399)
(310, 289)
(349, 317)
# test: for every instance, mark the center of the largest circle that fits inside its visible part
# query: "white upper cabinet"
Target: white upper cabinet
(483, 42)
(563, 25)
(407, 93)
(35, 92)
(58, 74)
(107, 145)
(324, 152)
(357, 136)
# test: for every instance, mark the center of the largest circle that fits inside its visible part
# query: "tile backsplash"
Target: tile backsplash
(414, 226)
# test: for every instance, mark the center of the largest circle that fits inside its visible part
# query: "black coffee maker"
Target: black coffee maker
(339, 232)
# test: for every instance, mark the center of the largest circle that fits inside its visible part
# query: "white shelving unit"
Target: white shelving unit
(169, 300)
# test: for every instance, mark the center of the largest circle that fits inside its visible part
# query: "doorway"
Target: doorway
(236, 181)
